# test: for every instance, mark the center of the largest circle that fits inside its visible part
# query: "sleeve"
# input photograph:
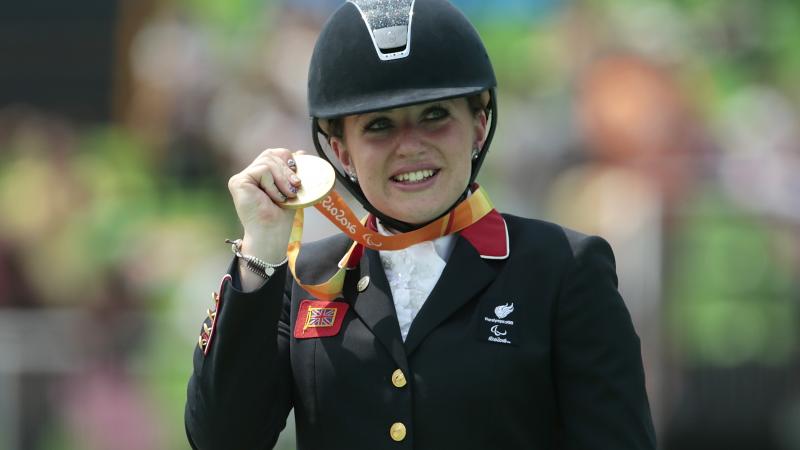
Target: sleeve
(239, 394)
(597, 358)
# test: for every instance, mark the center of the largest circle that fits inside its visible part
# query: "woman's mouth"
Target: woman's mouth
(416, 176)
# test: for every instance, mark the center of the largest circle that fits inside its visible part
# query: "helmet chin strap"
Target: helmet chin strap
(391, 222)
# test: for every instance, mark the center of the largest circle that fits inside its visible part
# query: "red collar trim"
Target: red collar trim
(489, 236)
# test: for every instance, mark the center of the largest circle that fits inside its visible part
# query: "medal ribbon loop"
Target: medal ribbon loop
(336, 210)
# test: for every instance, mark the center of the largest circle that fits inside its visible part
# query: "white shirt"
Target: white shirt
(412, 274)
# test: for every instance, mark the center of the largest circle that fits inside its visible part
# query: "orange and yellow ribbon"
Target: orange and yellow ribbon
(335, 209)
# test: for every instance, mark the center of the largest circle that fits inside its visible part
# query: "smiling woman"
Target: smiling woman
(412, 163)
(444, 332)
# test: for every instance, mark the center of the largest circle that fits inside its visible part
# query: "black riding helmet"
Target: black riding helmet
(381, 54)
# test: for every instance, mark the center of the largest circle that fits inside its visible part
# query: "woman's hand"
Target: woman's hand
(256, 192)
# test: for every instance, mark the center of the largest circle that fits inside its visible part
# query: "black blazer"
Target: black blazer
(563, 370)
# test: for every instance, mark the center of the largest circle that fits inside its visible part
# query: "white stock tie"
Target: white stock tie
(412, 274)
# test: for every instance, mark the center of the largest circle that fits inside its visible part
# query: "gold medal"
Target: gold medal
(317, 179)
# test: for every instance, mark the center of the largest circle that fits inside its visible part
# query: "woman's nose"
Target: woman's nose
(410, 141)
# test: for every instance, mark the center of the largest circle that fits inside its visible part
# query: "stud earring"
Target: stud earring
(352, 177)
(475, 153)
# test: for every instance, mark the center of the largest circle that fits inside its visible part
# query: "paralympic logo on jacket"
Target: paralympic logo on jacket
(499, 324)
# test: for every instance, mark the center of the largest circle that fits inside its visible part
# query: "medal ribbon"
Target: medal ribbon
(334, 208)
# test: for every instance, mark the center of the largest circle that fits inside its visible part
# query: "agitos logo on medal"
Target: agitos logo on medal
(319, 318)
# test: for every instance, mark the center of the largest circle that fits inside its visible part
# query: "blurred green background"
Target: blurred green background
(671, 128)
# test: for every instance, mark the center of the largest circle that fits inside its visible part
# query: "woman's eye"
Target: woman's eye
(436, 113)
(379, 124)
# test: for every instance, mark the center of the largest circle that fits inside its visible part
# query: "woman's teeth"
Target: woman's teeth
(414, 177)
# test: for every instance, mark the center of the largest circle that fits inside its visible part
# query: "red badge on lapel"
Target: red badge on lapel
(319, 318)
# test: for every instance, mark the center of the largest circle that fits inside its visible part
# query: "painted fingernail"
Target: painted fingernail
(294, 179)
(293, 189)
(291, 163)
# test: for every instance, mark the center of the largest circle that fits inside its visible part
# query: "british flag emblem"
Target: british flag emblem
(320, 317)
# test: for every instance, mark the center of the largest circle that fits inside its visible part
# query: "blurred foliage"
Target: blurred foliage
(733, 299)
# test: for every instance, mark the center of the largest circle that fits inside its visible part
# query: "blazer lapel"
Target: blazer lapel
(464, 276)
(375, 306)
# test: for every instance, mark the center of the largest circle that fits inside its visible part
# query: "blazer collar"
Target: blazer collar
(465, 276)
(489, 236)
(375, 306)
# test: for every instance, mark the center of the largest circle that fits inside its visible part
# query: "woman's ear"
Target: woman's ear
(340, 150)
(480, 128)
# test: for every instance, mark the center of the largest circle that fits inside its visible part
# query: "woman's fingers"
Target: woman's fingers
(277, 175)
(257, 193)
(282, 158)
(266, 181)
(272, 172)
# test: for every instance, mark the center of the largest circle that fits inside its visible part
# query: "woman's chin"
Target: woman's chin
(417, 206)
(416, 216)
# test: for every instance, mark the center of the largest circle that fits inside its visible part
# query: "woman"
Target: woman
(509, 334)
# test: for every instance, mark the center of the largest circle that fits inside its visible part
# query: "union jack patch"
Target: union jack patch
(319, 318)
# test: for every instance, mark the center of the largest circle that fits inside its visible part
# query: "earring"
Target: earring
(475, 153)
(353, 177)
